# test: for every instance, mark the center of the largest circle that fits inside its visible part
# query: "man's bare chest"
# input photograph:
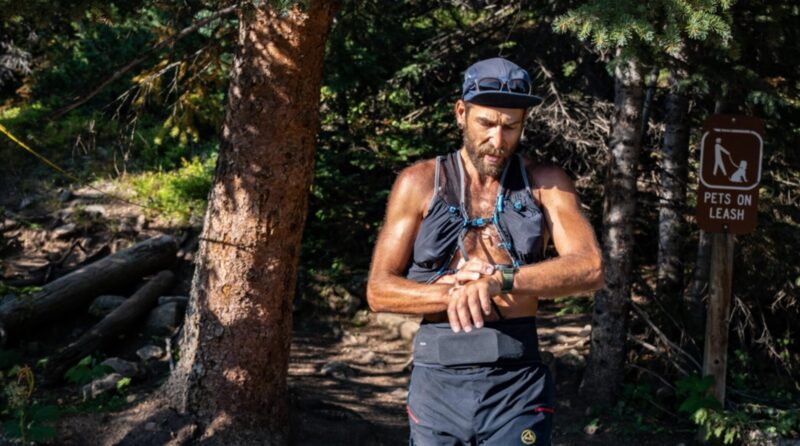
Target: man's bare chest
(483, 242)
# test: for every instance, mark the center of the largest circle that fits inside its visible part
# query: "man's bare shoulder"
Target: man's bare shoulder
(414, 184)
(548, 176)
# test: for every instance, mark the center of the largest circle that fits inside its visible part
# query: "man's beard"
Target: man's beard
(476, 155)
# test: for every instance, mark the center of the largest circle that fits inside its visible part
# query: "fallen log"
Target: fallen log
(116, 322)
(78, 288)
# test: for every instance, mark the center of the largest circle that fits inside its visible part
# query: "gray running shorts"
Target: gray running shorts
(507, 402)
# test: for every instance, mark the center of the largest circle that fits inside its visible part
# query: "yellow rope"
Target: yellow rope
(11, 136)
(34, 153)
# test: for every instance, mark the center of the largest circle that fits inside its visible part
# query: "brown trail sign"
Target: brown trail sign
(727, 203)
(730, 170)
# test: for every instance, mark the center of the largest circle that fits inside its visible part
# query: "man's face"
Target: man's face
(491, 135)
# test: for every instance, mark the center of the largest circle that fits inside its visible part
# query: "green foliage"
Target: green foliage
(86, 371)
(23, 417)
(729, 425)
(180, 194)
(97, 42)
(661, 26)
(574, 305)
(634, 414)
(123, 384)
(17, 291)
(695, 391)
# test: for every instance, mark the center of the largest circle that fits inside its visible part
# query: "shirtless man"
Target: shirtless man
(463, 245)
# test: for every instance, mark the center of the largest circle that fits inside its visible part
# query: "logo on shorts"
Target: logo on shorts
(528, 437)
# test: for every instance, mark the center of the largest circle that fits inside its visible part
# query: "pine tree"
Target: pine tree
(640, 34)
(235, 346)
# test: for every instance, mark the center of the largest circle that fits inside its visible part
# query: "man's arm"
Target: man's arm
(387, 289)
(579, 265)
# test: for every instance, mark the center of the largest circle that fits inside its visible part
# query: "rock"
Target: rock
(354, 339)
(121, 366)
(372, 359)
(102, 305)
(25, 202)
(561, 339)
(762, 438)
(164, 320)
(65, 195)
(149, 352)
(96, 210)
(141, 223)
(336, 369)
(591, 428)
(100, 386)
(400, 394)
(151, 426)
(408, 329)
(64, 231)
(180, 300)
(340, 300)
(586, 331)
(361, 318)
(9, 224)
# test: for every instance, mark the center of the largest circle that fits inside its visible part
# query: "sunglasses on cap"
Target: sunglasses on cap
(519, 86)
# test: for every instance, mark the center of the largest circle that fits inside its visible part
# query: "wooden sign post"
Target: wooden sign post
(727, 204)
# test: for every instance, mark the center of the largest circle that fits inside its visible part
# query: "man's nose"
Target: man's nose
(497, 137)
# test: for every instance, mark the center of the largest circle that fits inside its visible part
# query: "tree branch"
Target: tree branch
(141, 58)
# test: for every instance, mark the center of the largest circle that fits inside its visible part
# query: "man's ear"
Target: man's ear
(460, 111)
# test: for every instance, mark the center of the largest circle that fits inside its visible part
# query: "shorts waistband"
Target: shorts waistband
(504, 342)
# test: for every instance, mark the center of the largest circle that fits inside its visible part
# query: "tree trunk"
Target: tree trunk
(674, 162)
(234, 350)
(605, 369)
(78, 288)
(699, 286)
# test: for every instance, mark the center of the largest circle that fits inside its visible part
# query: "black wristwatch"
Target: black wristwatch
(508, 277)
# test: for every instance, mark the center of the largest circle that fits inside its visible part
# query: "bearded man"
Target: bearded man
(463, 245)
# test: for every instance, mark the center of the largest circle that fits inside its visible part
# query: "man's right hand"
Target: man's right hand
(470, 297)
(471, 302)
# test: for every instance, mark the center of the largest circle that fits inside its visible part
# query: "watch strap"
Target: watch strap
(508, 279)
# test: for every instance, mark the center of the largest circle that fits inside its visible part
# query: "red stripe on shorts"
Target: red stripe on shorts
(411, 414)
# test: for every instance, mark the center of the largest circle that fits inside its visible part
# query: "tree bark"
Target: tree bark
(674, 162)
(234, 350)
(78, 288)
(698, 287)
(606, 366)
(119, 320)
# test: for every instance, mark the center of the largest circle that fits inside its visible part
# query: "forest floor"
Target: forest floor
(348, 380)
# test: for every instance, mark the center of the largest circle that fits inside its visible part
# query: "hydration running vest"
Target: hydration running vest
(516, 217)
